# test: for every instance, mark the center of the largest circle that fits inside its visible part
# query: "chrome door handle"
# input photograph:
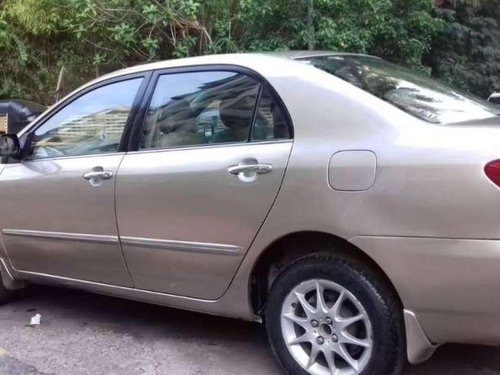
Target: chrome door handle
(103, 175)
(97, 175)
(249, 169)
(256, 168)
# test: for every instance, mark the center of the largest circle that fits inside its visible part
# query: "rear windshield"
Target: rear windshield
(420, 96)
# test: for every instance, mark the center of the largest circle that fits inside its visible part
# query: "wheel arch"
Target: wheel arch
(292, 246)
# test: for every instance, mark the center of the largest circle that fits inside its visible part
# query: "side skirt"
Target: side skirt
(213, 307)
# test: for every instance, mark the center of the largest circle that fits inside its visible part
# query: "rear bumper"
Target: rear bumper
(451, 286)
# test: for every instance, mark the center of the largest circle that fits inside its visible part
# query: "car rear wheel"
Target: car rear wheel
(332, 315)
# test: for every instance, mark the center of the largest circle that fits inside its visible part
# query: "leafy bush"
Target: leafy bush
(459, 40)
(467, 52)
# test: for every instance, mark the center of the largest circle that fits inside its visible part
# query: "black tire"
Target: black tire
(382, 306)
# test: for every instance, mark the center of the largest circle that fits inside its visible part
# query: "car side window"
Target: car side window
(270, 120)
(200, 108)
(91, 124)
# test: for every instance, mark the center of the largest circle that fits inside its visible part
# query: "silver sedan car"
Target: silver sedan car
(351, 205)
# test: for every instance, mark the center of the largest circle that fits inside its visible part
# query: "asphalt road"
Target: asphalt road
(82, 333)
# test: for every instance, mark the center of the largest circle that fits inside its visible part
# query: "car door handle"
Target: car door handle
(256, 168)
(103, 175)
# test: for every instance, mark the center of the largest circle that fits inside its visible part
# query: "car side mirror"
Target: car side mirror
(9, 146)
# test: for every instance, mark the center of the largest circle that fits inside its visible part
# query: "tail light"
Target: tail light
(492, 170)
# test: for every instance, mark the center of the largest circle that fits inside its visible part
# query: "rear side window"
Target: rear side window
(200, 108)
(270, 120)
(420, 96)
(211, 107)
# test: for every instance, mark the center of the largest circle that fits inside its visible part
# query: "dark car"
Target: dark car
(15, 114)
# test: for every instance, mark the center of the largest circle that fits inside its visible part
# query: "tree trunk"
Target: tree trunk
(310, 25)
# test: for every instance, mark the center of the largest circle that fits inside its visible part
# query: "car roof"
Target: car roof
(278, 67)
(268, 64)
(303, 54)
(249, 60)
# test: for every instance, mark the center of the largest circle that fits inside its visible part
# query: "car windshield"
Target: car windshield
(420, 96)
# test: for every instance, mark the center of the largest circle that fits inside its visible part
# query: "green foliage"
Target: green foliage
(399, 30)
(467, 52)
(90, 37)
(26, 53)
(38, 37)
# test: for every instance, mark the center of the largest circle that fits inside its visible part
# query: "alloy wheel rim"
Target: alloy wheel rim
(326, 329)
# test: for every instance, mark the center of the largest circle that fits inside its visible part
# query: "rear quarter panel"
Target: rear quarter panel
(429, 178)
(429, 186)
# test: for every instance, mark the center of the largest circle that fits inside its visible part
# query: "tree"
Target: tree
(400, 30)
(40, 36)
(89, 37)
(467, 52)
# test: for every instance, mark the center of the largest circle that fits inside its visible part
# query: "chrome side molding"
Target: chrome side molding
(185, 246)
(82, 237)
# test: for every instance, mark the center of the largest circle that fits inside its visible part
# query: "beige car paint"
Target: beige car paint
(152, 190)
(68, 226)
(431, 220)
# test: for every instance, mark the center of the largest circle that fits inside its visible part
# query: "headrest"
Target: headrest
(177, 114)
(236, 113)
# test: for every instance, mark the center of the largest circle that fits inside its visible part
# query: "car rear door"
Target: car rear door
(210, 158)
(58, 211)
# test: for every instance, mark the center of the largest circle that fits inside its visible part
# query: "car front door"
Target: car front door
(209, 162)
(58, 210)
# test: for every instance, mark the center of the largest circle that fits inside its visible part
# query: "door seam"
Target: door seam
(245, 254)
(116, 222)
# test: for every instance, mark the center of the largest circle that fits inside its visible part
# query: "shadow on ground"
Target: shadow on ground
(83, 333)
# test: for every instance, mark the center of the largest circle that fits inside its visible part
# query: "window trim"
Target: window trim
(254, 114)
(211, 146)
(138, 99)
(139, 123)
